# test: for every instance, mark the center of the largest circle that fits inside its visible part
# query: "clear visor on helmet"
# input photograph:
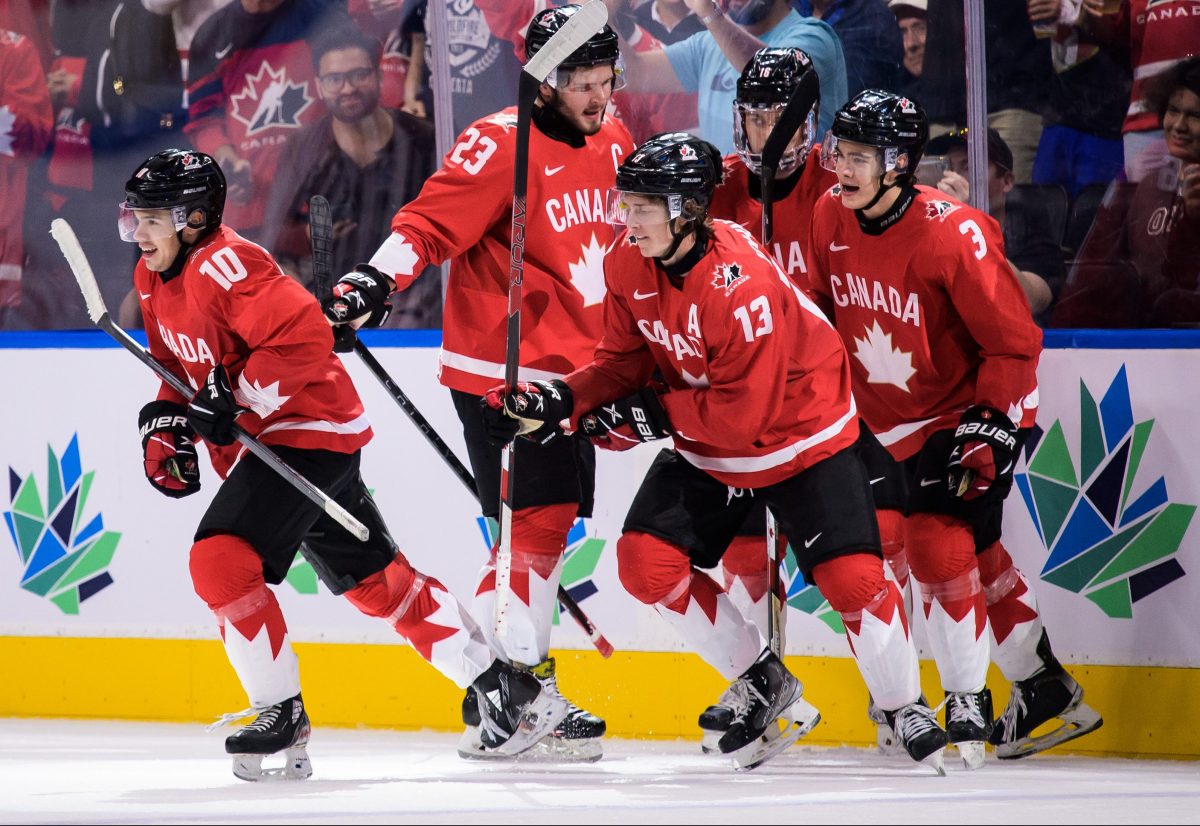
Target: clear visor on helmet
(641, 209)
(566, 79)
(752, 125)
(150, 224)
(861, 159)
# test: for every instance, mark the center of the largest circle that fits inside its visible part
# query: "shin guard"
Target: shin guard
(891, 536)
(941, 551)
(422, 611)
(745, 572)
(227, 575)
(539, 537)
(872, 610)
(658, 573)
(1012, 614)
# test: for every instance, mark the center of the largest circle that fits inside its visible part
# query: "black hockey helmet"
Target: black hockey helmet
(763, 90)
(181, 180)
(894, 124)
(599, 49)
(677, 166)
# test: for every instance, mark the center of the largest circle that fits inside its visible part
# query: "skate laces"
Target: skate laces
(962, 706)
(267, 715)
(1015, 709)
(914, 720)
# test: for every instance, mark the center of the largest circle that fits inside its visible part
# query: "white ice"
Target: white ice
(55, 771)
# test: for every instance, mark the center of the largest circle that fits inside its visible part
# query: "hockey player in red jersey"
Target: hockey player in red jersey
(222, 315)
(757, 399)
(945, 357)
(464, 214)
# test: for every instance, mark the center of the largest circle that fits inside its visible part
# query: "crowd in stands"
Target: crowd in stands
(1093, 108)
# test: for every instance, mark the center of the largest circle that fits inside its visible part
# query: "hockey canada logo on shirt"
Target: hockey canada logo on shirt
(270, 100)
(939, 209)
(728, 276)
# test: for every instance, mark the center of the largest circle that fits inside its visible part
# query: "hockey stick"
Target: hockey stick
(587, 21)
(798, 106)
(321, 228)
(71, 249)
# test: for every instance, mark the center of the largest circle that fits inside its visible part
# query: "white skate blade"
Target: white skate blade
(710, 742)
(936, 761)
(798, 719)
(1078, 720)
(972, 753)
(538, 719)
(549, 749)
(296, 766)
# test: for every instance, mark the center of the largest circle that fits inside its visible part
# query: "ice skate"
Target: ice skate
(885, 739)
(512, 713)
(1049, 695)
(714, 720)
(969, 724)
(917, 731)
(283, 727)
(768, 714)
(574, 740)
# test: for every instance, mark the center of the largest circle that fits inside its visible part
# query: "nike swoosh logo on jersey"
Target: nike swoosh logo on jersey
(927, 482)
(838, 247)
(554, 170)
(641, 296)
(220, 55)
(878, 479)
(144, 296)
(808, 543)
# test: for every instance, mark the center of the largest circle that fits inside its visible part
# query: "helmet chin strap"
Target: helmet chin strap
(676, 240)
(883, 188)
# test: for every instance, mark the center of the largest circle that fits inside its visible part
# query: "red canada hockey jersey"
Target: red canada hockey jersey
(790, 215)
(253, 87)
(759, 382)
(232, 305)
(931, 314)
(464, 213)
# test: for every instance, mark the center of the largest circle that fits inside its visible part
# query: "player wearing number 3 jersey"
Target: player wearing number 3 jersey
(944, 358)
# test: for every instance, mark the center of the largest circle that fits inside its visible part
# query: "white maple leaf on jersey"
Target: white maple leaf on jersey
(587, 274)
(7, 120)
(505, 120)
(397, 253)
(262, 400)
(884, 364)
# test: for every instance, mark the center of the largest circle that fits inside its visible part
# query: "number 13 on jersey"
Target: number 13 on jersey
(761, 325)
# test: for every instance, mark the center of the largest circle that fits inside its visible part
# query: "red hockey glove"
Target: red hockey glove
(983, 454)
(168, 449)
(622, 424)
(533, 410)
(214, 408)
(359, 299)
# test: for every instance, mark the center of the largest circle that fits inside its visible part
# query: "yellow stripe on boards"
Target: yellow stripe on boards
(1148, 712)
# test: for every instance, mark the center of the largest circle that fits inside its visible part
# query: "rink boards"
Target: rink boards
(98, 618)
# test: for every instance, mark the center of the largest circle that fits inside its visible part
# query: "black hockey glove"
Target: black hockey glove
(359, 299)
(214, 408)
(983, 454)
(169, 449)
(627, 422)
(533, 410)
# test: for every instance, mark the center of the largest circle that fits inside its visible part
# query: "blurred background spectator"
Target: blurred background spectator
(910, 19)
(367, 160)
(1032, 236)
(1140, 264)
(872, 46)
(405, 78)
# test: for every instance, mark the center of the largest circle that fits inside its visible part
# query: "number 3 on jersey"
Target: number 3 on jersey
(762, 310)
(224, 267)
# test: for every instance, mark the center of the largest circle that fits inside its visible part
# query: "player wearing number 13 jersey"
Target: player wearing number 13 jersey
(944, 358)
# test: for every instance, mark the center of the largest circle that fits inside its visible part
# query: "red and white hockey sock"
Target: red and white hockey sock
(1013, 614)
(872, 610)
(658, 573)
(539, 537)
(422, 611)
(227, 575)
(941, 551)
(746, 575)
(891, 537)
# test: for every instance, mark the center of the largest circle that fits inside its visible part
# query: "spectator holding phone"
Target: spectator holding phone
(1034, 255)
